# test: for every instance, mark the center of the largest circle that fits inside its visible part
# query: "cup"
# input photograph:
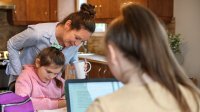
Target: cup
(80, 69)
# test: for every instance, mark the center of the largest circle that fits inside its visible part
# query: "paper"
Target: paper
(55, 110)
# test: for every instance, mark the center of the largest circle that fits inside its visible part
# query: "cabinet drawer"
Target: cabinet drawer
(99, 70)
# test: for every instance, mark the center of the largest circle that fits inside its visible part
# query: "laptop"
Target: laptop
(80, 93)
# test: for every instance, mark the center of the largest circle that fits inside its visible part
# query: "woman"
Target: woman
(139, 56)
(67, 34)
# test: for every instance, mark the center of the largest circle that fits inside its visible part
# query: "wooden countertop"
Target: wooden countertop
(93, 58)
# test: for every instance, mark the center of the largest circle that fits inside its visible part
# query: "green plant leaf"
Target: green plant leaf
(175, 42)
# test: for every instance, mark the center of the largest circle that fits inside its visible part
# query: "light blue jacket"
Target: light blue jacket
(24, 46)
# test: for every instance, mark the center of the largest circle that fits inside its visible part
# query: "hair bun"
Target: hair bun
(89, 9)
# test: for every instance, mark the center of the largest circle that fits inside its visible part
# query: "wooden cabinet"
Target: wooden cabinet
(101, 8)
(33, 11)
(140, 2)
(37, 11)
(107, 10)
(162, 8)
(53, 5)
(19, 13)
(99, 70)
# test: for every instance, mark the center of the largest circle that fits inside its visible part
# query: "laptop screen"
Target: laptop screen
(80, 93)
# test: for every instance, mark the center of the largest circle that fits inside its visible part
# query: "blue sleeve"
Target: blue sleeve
(74, 58)
(27, 38)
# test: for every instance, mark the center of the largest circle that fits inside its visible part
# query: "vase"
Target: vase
(179, 58)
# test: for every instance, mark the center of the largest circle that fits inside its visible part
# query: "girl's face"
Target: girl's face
(75, 37)
(47, 73)
(113, 62)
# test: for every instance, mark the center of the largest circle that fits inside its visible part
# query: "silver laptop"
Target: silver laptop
(80, 93)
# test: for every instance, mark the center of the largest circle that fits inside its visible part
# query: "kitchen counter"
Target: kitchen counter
(93, 57)
(99, 65)
(6, 5)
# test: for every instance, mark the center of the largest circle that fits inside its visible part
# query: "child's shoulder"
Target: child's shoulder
(28, 69)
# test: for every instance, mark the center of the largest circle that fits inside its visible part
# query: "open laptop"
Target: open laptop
(80, 93)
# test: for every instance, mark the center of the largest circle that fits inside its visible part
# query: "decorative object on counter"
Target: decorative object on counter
(175, 44)
(80, 68)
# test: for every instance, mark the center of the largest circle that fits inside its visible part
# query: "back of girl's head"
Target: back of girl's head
(50, 56)
(139, 35)
(142, 39)
(83, 18)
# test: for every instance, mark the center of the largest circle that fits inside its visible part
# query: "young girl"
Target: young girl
(140, 57)
(42, 81)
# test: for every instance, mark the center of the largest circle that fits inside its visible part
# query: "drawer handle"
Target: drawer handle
(104, 72)
(99, 71)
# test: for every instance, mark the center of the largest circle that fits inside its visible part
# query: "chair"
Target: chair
(11, 86)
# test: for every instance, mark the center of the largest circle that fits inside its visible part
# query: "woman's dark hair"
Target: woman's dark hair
(50, 56)
(143, 40)
(82, 19)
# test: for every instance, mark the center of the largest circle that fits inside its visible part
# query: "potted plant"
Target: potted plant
(175, 44)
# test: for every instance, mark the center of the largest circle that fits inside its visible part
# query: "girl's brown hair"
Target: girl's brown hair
(50, 56)
(143, 40)
(82, 19)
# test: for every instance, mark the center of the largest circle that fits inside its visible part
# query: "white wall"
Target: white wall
(65, 7)
(187, 17)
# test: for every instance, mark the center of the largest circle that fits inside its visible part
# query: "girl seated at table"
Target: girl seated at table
(42, 81)
(139, 56)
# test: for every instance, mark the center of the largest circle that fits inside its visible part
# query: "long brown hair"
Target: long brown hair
(52, 55)
(82, 19)
(143, 40)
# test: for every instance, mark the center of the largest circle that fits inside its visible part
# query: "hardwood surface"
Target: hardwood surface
(32, 11)
(53, 10)
(19, 13)
(107, 10)
(37, 11)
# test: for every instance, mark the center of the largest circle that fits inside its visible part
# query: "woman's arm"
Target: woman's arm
(27, 38)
